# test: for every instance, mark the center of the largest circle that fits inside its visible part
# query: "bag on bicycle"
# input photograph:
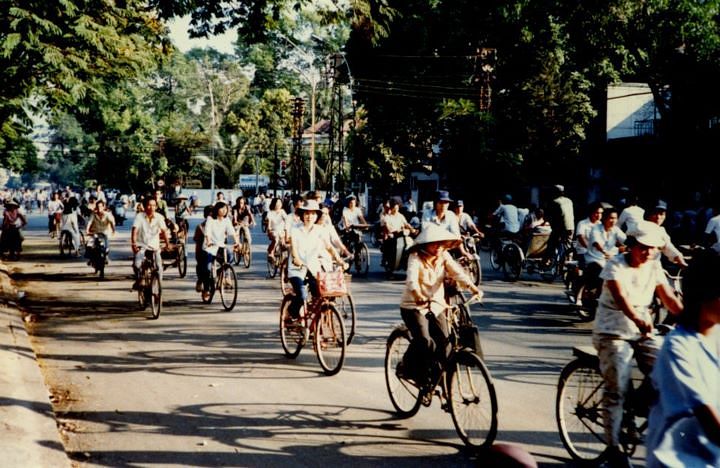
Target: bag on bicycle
(331, 283)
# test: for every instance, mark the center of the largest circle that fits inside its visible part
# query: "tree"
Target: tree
(54, 55)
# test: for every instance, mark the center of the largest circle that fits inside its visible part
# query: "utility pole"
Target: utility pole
(297, 113)
(213, 129)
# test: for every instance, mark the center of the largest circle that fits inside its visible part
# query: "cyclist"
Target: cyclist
(606, 240)
(218, 227)
(162, 205)
(506, 217)
(582, 243)
(55, 210)
(562, 218)
(465, 221)
(242, 217)
(183, 211)
(306, 244)
(631, 214)
(10, 237)
(684, 422)
(278, 222)
(352, 214)
(443, 217)
(623, 324)
(145, 234)
(393, 224)
(657, 215)
(423, 305)
(199, 239)
(101, 223)
(70, 221)
(330, 234)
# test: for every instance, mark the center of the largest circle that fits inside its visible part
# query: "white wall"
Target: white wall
(626, 104)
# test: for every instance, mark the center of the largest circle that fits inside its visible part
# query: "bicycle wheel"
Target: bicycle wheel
(512, 261)
(155, 295)
(246, 253)
(362, 260)
(472, 400)
(182, 260)
(346, 307)
(292, 331)
(404, 394)
(496, 257)
(227, 285)
(578, 410)
(330, 340)
(564, 266)
(63, 244)
(475, 270)
(272, 265)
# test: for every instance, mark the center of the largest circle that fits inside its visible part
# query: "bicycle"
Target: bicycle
(176, 254)
(279, 258)
(579, 412)
(466, 389)
(66, 243)
(320, 323)
(149, 285)
(471, 266)
(222, 279)
(352, 238)
(244, 252)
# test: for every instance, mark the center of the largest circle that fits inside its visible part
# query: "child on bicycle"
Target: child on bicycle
(684, 423)
(423, 305)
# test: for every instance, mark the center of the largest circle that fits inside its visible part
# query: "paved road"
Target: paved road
(204, 387)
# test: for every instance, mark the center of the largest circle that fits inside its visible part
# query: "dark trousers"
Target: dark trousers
(301, 295)
(430, 344)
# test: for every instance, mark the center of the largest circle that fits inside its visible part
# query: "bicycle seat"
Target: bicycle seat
(585, 352)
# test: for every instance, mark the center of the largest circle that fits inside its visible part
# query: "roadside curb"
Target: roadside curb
(28, 429)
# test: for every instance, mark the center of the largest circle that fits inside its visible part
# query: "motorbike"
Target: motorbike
(395, 256)
(97, 253)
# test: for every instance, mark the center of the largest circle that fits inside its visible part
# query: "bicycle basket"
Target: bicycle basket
(331, 283)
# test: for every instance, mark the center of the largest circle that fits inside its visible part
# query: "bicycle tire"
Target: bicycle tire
(246, 253)
(292, 333)
(586, 311)
(65, 243)
(496, 257)
(563, 271)
(404, 394)
(273, 264)
(182, 261)
(512, 261)
(362, 260)
(329, 339)
(472, 400)
(475, 270)
(578, 410)
(227, 287)
(155, 296)
(346, 307)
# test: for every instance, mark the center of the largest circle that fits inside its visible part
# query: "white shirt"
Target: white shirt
(351, 217)
(638, 284)
(55, 206)
(713, 227)
(630, 216)
(308, 244)
(608, 240)
(216, 232)
(277, 221)
(394, 222)
(583, 228)
(449, 221)
(148, 231)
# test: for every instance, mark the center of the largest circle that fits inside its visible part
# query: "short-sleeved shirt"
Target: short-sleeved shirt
(508, 215)
(308, 245)
(102, 224)
(686, 376)
(583, 228)
(242, 216)
(216, 232)
(638, 284)
(277, 221)
(465, 222)
(55, 206)
(148, 230)
(607, 239)
(713, 227)
(394, 222)
(351, 217)
(449, 221)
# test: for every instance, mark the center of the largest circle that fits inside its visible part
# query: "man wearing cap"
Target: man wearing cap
(441, 215)
(506, 215)
(465, 222)
(623, 324)
(657, 215)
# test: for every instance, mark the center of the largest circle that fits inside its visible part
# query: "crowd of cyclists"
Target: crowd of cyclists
(618, 249)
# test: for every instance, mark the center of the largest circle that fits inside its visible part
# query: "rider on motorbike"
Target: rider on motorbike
(102, 224)
(393, 224)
